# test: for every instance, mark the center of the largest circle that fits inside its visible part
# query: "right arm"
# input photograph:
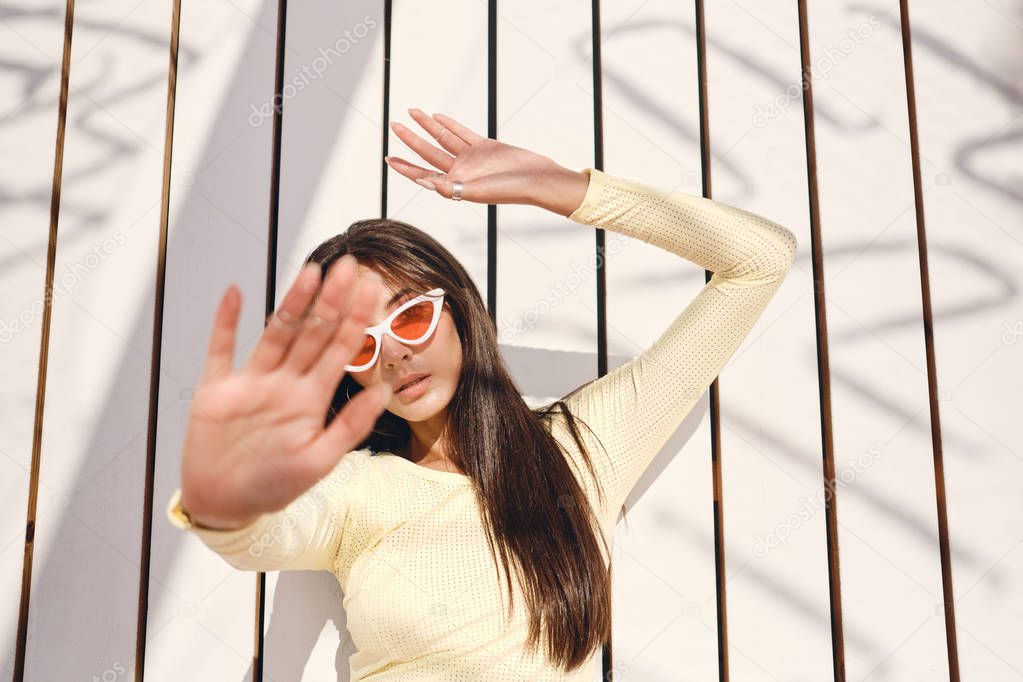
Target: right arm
(305, 535)
(267, 485)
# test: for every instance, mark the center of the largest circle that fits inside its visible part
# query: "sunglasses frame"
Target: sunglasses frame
(435, 296)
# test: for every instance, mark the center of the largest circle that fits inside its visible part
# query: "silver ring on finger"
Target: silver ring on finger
(456, 190)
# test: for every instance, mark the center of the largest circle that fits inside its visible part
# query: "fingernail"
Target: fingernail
(425, 183)
(387, 159)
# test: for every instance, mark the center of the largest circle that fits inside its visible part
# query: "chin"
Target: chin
(423, 408)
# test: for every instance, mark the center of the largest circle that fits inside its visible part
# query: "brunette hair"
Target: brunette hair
(535, 510)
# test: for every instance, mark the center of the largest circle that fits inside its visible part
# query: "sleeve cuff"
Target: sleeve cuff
(216, 539)
(584, 213)
(175, 513)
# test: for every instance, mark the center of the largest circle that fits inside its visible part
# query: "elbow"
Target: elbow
(773, 259)
(787, 249)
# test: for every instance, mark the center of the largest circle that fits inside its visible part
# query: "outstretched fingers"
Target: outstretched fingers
(328, 369)
(285, 322)
(462, 131)
(446, 137)
(327, 313)
(220, 351)
(441, 183)
(349, 427)
(431, 154)
(410, 170)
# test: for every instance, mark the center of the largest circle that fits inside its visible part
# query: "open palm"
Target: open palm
(491, 172)
(256, 439)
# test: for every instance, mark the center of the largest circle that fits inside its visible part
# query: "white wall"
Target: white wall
(201, 611)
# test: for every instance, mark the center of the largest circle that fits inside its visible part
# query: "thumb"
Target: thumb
(351, 425)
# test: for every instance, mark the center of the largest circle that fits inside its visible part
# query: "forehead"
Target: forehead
(389, 296)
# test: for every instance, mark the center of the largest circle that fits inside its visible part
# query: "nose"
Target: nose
(393, 351)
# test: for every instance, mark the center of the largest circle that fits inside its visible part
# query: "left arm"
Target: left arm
(636, 407)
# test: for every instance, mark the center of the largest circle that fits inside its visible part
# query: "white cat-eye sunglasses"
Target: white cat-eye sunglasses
(412, 322)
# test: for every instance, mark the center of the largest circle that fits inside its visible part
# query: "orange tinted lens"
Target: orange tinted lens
(413, 322)
(365, 353)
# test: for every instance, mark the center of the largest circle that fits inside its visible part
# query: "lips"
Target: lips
(408, 379)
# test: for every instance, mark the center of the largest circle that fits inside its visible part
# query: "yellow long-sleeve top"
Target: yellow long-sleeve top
(406, 542)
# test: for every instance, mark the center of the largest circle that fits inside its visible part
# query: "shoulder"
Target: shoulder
(350, 471)
(559, 421)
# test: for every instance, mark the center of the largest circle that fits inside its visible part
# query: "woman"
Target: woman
(409, 490)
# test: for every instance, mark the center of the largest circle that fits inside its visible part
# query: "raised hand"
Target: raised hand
(491, 172)
(255, 439)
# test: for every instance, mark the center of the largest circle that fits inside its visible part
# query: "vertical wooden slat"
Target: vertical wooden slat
(385, 129)
(157, 350)
(220, 161)
(44, 349)
(932, 375)
(823, 362)
(607, 658)
(820, 310)
(714, 397)
(271, 281)
(492, 133)
(598, 163)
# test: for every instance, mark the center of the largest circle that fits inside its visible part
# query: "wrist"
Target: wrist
(207, 522)
(216, 524)
(561, 190)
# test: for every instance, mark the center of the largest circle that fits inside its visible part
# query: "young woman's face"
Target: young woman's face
(440, 356)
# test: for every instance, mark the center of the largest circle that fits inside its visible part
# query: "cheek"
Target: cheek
(452, 345)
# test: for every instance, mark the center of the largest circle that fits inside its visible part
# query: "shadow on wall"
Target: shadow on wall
(223, 207)
(1005, 83)
(302, 602)
(218, 212)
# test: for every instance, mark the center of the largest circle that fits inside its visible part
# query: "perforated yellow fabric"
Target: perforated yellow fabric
(406, 543)
(636, 407)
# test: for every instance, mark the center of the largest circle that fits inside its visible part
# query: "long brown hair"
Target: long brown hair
(534, 507)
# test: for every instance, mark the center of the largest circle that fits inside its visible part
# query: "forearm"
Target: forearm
(635, 408)
(734, 244)
(304, 535)
(560, 189)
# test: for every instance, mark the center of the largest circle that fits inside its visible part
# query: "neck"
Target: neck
(426, 443)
